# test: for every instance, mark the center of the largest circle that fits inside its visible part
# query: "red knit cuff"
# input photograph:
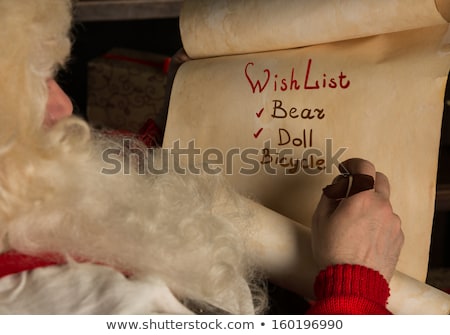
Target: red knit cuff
(352, 281)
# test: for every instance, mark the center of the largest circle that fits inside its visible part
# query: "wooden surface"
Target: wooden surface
(109, 10)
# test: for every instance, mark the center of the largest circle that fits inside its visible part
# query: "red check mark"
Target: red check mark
(255, 135)
(260, 112)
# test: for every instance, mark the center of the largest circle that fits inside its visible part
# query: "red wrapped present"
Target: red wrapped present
(126, 88)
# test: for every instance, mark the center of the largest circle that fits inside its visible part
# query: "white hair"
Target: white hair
(54, 198)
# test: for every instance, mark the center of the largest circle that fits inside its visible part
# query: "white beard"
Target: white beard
(141, 224)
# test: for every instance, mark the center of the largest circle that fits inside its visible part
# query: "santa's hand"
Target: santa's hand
(360, 228)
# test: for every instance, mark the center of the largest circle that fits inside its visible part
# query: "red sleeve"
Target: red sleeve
(350, 289)
(12, 262)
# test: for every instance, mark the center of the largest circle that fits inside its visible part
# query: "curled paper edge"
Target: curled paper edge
(409, 296)
(443, 7)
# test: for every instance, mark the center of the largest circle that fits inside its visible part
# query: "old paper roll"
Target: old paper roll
(222, 27)
(409, 296)
(351, 78)
(278, 123)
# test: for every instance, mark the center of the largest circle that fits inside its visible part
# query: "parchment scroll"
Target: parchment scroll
(277, 123)
(222, 27)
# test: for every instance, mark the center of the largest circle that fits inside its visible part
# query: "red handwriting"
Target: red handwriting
(258, 114)
(276, 82)
(255, 135)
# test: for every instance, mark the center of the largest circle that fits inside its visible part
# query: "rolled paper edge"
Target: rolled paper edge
(443, 7)
(412, 297)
